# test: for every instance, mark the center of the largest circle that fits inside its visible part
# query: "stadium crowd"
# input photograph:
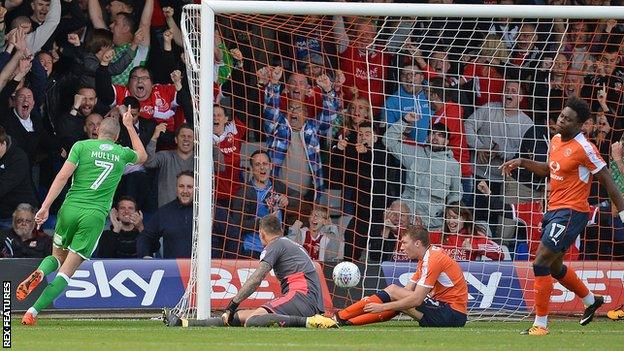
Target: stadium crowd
(346, 130)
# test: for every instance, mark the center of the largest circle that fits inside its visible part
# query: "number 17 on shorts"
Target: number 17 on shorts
(561, 227)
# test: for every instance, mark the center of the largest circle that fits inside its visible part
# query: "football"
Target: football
(346, 275)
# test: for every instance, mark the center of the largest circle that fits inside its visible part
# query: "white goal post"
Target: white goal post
(201, 61)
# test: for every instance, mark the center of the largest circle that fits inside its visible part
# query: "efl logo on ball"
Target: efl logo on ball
(346, 275)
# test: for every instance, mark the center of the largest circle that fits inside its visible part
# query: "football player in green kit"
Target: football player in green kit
(96, 166)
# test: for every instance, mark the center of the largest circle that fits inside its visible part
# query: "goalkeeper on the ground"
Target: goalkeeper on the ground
(302, 302)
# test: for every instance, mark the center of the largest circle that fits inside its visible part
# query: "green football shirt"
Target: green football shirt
(140, 59)
(99, 167)
(618, 177)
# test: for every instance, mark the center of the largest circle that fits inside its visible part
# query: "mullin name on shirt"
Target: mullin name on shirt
(105, 156)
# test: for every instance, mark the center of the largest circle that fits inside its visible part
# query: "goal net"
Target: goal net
(351, 127)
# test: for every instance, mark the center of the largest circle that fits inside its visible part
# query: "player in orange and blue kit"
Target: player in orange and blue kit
(572, 160)
(436, 296)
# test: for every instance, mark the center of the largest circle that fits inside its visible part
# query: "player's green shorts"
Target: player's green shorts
(79, 230)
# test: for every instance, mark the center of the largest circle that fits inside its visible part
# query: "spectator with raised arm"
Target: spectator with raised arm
(15, 68)
(124, 29)
(3, 26)
(410, 97)
(309, 45)
(433, 175)
(227, 144)
(364, 63)
(608, 78)
(564, 83)
(299, 90)
(158, 101)
(312, 65)
(59, 77)
(25, 126)
(171, 63)
(486, 72)
(576, 46)
(144, 127)
(48, 20)
(320, 238)
(225, 62)
(495, 132)
(347, 123)
(449, 113)
(100, 42)
(227, 165)
(345, 132)
(72, 19)
(294, 137)
(443, 64)
(136, 181)
(550, 82)
(363, 162)
(354, 59)
(527, 52)
(261, 195)
(69, 126)
(15, 65)
(176, 33)
(170, 163)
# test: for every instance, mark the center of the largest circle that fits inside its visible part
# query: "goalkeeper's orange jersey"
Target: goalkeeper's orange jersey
(444, 276)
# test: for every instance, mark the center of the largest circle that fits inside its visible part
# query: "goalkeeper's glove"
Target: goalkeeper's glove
(230, 310)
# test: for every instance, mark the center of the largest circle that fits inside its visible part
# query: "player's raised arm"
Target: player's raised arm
(538, 168)
(137, 145)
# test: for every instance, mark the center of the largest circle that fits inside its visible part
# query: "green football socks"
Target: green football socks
(51, 292)
(48, 265)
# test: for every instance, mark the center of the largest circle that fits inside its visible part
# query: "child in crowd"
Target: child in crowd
(320, 238)
(463, 239)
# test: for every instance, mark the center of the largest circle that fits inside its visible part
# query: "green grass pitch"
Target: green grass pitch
(71, 335)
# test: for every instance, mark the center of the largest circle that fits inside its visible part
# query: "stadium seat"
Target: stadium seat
(521, 252)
